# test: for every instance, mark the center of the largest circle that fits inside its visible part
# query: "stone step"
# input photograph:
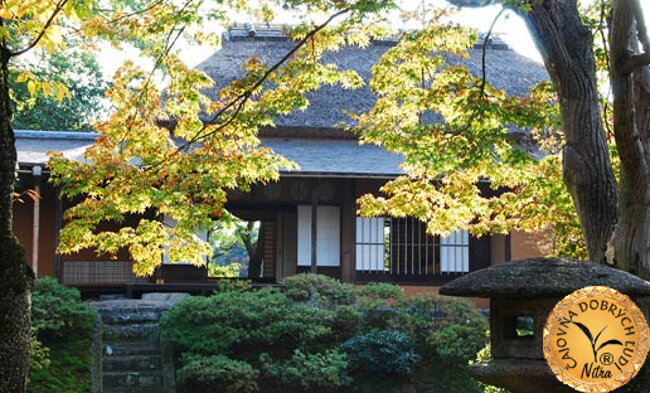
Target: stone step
(130, 348)
(134, 380)
(113, 363)
(135, 332)
(135, 316)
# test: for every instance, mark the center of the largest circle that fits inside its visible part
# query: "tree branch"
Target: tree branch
(601, 31)
(137, 12)
(628, 63)
(239, 101)
(634, 62)
(642, 31)
(40, 35)
(483, 55)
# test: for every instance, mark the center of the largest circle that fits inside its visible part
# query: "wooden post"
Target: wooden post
(348, 231)
(314, 230)
(37, 172)
(58, 223)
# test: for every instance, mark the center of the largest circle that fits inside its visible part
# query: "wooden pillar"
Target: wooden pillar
(289, 243)
(314, 230)
(58, 224)
(37, 172)
(279, 248)
(348, 231)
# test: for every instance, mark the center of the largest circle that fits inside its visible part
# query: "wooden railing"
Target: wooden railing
(99, 273)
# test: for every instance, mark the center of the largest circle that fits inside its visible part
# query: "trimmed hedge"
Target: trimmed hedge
(322, 335)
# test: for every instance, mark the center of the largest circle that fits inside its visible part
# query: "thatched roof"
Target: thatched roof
(308, 138)
(543, 277)
(506, 69)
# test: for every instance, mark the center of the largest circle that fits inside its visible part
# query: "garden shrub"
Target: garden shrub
(232, 285)
(380, 291)
(484, 356)
(216, 374)
(62, 335)
(378, 301)
(346, 322)
(323, 335)
(381, 353)
(319, 372)
(316, 288)
(39, 355)
(58, 312)
(245, 324)
(458, 343)
(444, 327)
(459, 331)
(415, 316)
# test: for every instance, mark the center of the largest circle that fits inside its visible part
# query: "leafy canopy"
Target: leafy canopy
(171, 150)
(476, 157)
(74, 67)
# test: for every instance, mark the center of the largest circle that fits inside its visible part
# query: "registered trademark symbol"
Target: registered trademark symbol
(607, 359)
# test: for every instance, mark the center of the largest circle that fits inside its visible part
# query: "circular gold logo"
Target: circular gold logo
(596, 340)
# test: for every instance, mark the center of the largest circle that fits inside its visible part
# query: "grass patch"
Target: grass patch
(68, 371)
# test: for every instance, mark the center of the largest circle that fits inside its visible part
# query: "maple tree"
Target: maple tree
(588, 189)
(466, 168)
(78, 70)
(139, 165)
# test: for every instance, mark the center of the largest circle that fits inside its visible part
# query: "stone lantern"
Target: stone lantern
(522, 295)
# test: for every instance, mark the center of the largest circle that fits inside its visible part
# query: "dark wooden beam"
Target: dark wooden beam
(314, 231)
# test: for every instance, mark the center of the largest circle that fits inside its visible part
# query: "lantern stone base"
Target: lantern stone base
(519, 376)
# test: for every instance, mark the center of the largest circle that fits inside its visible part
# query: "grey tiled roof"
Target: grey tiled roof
(317, 156)
(32, 146)
(337, 156)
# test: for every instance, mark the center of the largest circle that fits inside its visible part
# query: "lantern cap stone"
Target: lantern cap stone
(543, 278)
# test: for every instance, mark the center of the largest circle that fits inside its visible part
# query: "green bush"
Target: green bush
(62, 336)
(376, 300)
(381, 353)
(381, 291)
(39, 355)
(319, 372)
(448, 328)
(216, 374)
(321, 289)
(232, 285)
(322, 335)
(58, 312)
(458, 343)
(416, 316)
(459, 331)
(245, 324)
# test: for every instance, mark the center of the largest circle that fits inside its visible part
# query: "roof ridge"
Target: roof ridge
(256, 31)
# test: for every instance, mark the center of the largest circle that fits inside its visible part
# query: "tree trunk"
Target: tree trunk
(16, 278)
(631, 93)
(566, 46)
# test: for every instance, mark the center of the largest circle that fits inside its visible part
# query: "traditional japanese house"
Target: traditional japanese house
(308, 219)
